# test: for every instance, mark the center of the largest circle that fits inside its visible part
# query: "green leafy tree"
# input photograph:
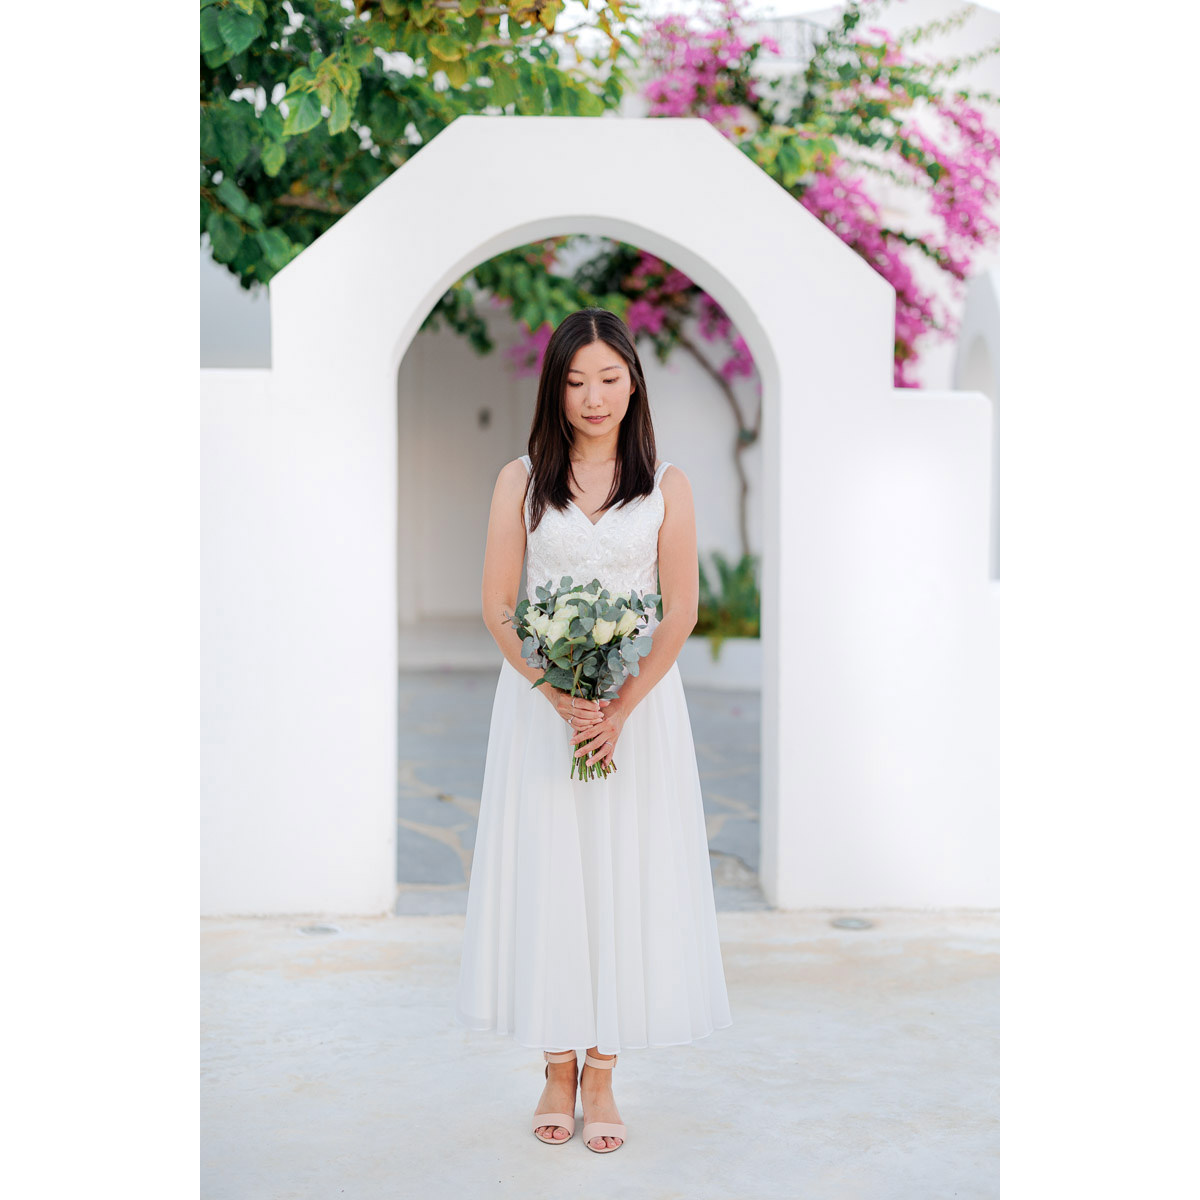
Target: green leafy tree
(306, 106)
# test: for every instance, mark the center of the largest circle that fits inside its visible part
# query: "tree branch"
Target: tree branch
(310, 201)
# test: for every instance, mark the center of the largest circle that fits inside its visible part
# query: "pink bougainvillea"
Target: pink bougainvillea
(842, 203)
(525, 355)
(948, 153)
(701, 72)
(707, 72)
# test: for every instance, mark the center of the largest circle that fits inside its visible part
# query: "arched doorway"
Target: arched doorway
(461, 416)
(874, 523)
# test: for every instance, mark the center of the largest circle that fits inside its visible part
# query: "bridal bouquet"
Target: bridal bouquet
(586, 639)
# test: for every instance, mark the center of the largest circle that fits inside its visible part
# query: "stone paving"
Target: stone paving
(444, 720)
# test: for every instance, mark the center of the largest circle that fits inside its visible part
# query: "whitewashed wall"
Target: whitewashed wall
(977, 369)
(878, 736)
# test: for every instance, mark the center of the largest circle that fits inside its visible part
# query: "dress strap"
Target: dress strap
(659, 473)
(528, 463)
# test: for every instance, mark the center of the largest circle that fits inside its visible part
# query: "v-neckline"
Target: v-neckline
(605, 513)
(588, 519)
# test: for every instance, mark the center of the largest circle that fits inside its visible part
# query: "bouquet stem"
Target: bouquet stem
(588, 770)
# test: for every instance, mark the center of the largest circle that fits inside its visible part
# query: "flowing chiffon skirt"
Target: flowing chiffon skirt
(590, 913)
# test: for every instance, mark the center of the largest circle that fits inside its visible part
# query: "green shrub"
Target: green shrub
(731, 608)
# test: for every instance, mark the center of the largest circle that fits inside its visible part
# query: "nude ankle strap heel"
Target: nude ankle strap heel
(567, 1121)
(593, 1129)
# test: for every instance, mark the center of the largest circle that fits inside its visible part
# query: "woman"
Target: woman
(590, 915)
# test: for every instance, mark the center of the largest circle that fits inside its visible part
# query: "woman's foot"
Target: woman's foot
(558, 1096)
(595, 1090)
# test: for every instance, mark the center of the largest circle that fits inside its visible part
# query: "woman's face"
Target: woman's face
(598, 389)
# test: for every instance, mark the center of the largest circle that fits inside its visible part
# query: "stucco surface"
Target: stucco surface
(860, 1064)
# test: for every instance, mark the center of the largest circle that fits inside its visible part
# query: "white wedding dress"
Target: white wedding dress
(590, 914)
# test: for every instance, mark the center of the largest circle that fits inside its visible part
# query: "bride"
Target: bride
(590, 917)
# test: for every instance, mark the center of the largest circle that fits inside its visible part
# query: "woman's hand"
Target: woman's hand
(575, 710)
(598, 741)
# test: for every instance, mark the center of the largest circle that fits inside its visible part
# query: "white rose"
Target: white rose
(626, 624)
(556, 629)
(602, 631)
(539, 622)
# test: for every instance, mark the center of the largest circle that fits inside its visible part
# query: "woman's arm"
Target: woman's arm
(679, 577)
(502, 576)
(502, 564)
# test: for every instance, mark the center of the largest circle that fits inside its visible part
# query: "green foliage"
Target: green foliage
(732, 608)
(305, 107)
(854, 91)
(524, 277)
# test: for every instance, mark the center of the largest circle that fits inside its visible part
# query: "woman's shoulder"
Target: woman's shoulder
(675, 486)
(673, 478)
(514, 472)
(512, 480)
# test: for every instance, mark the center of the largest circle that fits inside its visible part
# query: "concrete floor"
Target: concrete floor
(861, 1065)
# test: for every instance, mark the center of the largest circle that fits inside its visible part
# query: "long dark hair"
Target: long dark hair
(551, 435)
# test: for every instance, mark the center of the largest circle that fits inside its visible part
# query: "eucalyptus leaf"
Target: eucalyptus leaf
(560, 678)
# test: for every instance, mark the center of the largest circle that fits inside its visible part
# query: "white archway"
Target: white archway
(878, 705)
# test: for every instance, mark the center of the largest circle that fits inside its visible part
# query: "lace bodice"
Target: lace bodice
(620, 549)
